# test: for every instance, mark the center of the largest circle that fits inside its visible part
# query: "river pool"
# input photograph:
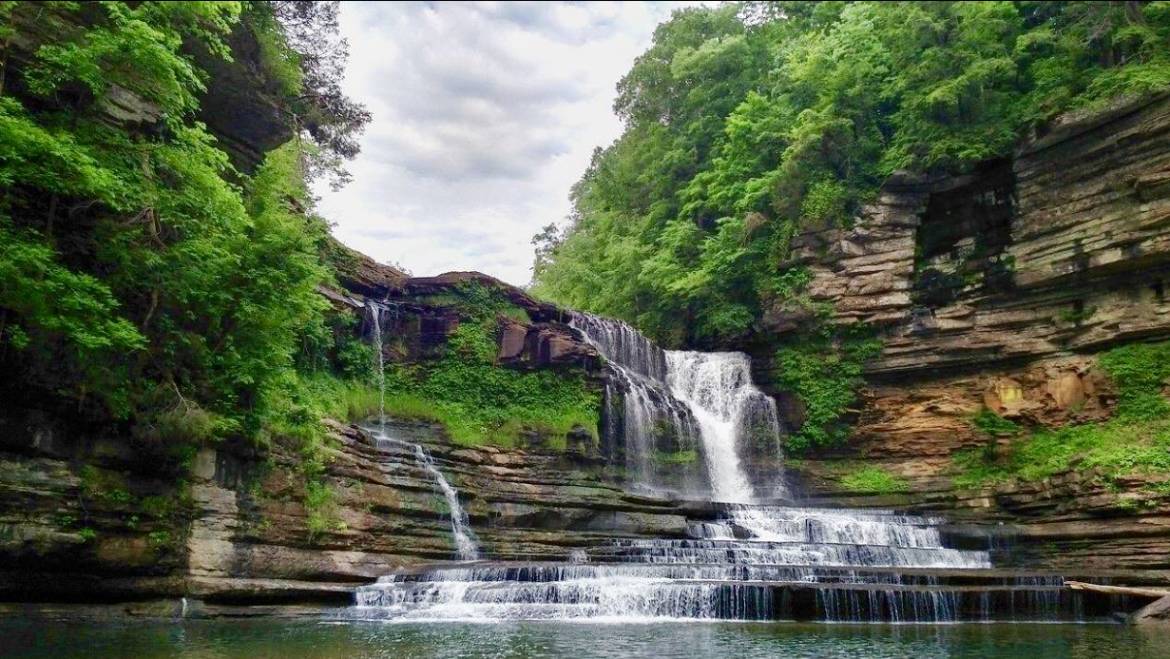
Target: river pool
(294, 639)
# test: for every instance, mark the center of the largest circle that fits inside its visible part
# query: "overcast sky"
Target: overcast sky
(484, 115)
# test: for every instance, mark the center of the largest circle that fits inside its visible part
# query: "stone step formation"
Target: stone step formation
(750, 560)
(905, 576)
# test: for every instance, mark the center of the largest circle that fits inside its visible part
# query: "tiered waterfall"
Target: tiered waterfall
(744, 556)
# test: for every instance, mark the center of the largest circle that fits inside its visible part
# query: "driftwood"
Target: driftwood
(1155, 593)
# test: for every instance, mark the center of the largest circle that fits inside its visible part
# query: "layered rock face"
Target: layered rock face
(994, 291)
(1065, 248)
(89, 514)
(235, 526)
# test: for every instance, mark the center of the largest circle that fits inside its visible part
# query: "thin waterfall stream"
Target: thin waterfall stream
(466, 546)
(465, 543)
(379, 363)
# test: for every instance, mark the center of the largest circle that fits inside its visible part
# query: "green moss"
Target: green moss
(321, 509)
(990, 423)
(874, 480)
(480, 402)
(1117, 447)
(1136, 440)
(103, 485)
(678, 457)
(824, 370)
(1076, 316)
(1140, 371)
(476, 300)
(160, 539)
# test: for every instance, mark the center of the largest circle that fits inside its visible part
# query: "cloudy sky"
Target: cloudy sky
(484, 115)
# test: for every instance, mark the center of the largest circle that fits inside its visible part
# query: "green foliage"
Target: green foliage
(994, 425)
(478, 400)
(1117, 447)
(1141, 372)
(1137, 439)
(824, 371)
(742, 134)
(321, 508)
(1076, 316)
(687, 457)
(874, 480)
(141, 276)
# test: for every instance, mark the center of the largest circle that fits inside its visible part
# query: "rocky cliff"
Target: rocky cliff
(88, 513)
(86, 517)
(997, 291)
(991, 291)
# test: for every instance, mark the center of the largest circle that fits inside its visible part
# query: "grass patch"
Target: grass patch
(1118, 447)
(687, 457)
(485, 404)
(871, 479)
(1136, 440)
(297, 415)
(480, 402)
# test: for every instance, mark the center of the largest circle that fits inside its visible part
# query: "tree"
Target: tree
(747, 124)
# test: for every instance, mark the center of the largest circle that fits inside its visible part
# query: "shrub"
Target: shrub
(873, 479)
(824, 371)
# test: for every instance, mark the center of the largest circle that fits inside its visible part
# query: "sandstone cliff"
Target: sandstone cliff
(996, 291)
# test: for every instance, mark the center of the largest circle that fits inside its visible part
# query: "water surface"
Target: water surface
(296, 639)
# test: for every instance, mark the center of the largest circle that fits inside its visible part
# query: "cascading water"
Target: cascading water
(718, 388)
(645, 419)
(704, 397)
(746, 561)
(465, 544)
(375, 310)
(460, 526)
(830, 565)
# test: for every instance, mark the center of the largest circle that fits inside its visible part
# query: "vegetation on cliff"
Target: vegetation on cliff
(143, 278)
(1136, 440)
(747, 124)
(479, 402)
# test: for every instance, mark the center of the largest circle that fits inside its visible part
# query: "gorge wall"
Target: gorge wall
(89, 514)
(996, 291)
(992, 291)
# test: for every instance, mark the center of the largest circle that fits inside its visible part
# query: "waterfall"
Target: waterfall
(644, 417)
(465, 543)
(705, 396)
(718, 388)
(798, 563)
(379, 365)
(740, 559)
(460, 526)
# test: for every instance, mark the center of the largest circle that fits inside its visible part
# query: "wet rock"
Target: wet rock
(1157, 612)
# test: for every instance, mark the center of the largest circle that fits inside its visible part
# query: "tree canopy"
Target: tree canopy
(143, 278)
(747, 123)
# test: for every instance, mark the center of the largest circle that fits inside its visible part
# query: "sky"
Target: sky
(484, 115)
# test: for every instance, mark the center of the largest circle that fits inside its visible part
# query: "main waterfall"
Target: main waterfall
(742, 558)
(703, 398)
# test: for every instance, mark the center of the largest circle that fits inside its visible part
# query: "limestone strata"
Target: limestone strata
(243, 532)
(1064, 248)
(931, 419)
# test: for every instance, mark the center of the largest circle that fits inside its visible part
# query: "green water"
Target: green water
(302, 638)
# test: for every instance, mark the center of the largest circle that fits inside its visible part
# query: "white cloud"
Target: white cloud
(484, 116)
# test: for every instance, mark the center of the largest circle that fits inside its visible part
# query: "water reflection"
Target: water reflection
(526, 640)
